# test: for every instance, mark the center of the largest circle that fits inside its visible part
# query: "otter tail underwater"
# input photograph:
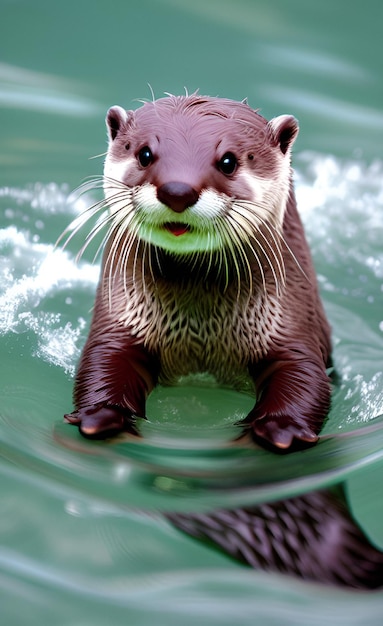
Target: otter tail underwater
(312, 536)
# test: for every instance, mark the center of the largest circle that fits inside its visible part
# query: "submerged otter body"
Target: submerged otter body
(206, 269)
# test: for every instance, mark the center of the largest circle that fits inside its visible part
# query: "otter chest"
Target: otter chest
(202, 330)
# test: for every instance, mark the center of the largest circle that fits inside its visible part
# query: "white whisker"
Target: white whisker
(144, 259)
(233, 245)
(116, 239)
(268, 223)
(276, 252)
(247, 219)
(97, 228)
(289, 250)
(220, 226)
(79, 221)
(135, 258)
(103, 242)
(148, 251)
(240, 239)
(209, 253)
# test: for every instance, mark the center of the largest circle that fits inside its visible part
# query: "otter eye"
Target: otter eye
(145, 156)
(228, 163)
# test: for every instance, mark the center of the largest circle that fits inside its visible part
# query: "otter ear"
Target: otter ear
(284, 130)
(117, 119)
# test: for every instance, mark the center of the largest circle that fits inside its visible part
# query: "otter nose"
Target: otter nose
(177, 196)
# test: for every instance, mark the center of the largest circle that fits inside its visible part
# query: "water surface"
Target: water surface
(82, 538)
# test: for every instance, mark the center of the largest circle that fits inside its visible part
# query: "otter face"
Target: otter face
(196, 174)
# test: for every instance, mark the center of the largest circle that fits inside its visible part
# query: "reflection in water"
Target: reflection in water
(312, 536)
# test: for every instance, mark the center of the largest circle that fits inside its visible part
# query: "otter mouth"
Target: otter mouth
(177, 228)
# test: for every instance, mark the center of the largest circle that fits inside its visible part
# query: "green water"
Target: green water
(82, 540)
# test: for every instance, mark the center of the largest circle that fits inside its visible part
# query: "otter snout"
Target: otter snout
(177, 196)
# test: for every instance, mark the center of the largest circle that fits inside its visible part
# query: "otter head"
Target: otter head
(196, 174)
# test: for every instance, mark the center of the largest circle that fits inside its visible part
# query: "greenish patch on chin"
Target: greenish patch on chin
(191, 241)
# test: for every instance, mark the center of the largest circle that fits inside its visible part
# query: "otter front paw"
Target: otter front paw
(101, 422)
(281, 432)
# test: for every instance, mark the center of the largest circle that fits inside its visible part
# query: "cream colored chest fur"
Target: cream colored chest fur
(201, 330)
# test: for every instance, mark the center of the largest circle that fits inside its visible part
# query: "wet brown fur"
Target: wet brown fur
(159, 315)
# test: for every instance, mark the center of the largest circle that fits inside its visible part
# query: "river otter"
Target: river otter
(206, 269)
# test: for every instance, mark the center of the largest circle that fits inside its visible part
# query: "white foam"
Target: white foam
(341, 204)
(32, 272)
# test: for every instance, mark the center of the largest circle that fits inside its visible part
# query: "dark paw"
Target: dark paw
(281, 433)
(101, 422)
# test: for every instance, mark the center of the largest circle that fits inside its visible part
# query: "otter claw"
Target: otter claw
(101, 422)
(282, 435)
